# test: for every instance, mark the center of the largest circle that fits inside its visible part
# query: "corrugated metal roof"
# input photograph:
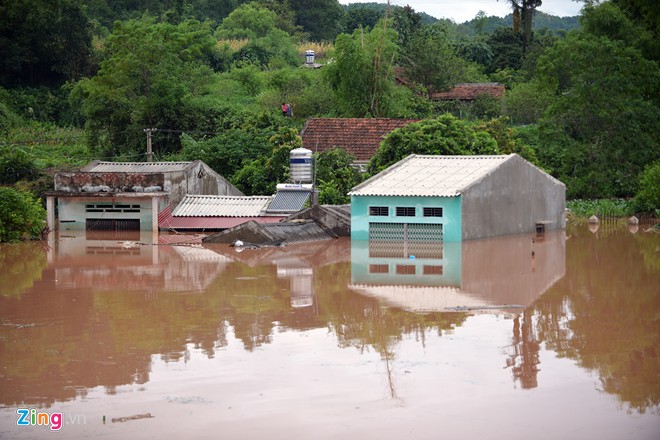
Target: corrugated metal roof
(221, 206)
(288, 201)
(138, 167)
(439, 176)
(210, 223)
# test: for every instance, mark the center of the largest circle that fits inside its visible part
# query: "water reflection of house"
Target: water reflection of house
(497, 273)
(105, 263)
(295, 262)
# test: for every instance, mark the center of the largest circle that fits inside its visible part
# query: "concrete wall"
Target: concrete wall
(73, 211)
(451, 219)
(197, 179)
(77, 182)
(511, 200)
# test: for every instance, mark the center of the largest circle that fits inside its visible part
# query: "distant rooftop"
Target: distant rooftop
(439, 176)
(221, 206)
(470, 91)
(136, 167)
(358, 136)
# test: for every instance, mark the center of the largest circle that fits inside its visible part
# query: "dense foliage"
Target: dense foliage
(21, 216)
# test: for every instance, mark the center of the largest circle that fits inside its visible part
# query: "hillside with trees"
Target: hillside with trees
(81, 80)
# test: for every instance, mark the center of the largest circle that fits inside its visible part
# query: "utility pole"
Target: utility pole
(150, 153)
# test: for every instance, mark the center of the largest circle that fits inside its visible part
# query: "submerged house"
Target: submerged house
(212, 213)
(433, 199)
(360, 137)
(128, 195)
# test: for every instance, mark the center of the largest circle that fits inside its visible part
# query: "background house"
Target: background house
(128, 195)
(470, 92)
(432, 199)
(360, 137)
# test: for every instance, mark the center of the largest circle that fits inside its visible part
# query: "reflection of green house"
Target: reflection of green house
(429, 199)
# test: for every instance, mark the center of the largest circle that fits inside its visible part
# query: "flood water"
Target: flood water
(512, 338)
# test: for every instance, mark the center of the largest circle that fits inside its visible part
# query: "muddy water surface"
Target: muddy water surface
(518, 337)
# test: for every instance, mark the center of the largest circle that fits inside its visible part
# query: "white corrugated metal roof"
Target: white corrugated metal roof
(439, 176)
(138, 167)
(221, 206)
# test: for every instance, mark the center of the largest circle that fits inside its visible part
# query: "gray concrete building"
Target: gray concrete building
(454, 198)
(128, 195)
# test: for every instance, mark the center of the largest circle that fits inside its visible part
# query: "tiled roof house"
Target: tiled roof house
(358, 136)
(470, 91)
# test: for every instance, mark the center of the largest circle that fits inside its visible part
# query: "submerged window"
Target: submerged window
(432, 270)
(432, 212)
(379, 268)
(379, 210)
(405, 269)
(405, 211)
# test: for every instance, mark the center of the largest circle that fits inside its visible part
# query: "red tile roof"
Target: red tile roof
(469, 91)
(358, 136)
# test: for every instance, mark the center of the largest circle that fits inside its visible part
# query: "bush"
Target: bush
(21, 216)
(15, 165)
(647, 198)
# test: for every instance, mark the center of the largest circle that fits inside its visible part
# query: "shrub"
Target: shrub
(647, 198)
(21, 216)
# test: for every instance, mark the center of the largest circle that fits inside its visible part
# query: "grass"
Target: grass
(50, 146)
(600, 208)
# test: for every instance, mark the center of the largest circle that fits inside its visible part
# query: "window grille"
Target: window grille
(405, 211)
(432, 212)
(379, 210)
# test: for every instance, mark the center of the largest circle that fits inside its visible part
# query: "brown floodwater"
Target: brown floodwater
(136, 336)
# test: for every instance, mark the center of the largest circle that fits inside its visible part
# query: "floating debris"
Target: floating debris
(135, 417)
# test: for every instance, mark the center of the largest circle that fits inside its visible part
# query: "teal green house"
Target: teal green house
(422, 200)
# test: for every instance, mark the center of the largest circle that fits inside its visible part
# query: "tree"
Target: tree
(319, 18)
(21, 216)
(261, 175)
(445, 135)
(523, 14)
(335, 176)
(150, 79)
(363, 74)
(506, 46)
(360, 17)
(431, 59)
(647, 198)
(257, 24)
(601, 129)
(43, 41)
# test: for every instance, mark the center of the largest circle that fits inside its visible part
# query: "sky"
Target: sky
(464, 10)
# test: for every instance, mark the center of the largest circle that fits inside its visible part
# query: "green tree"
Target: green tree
(150, 79)
(43, 41)
(360, 16)
(363, 75)
(506, 46)
(432, 60)
(261, 175)
(319, 18)
(647, 198)
(15, 165)
(335, 176)
(21, 216)
(601, 129)
(445, 135)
